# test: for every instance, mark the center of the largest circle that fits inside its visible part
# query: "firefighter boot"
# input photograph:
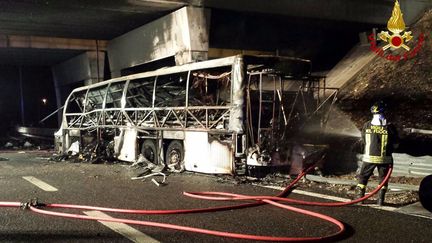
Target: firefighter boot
(359, 192)
(381, 197)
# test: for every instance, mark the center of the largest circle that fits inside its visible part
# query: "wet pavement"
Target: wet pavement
(110, 185)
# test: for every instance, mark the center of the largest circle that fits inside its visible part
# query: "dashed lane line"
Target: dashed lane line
(42, 185)
(123, 229)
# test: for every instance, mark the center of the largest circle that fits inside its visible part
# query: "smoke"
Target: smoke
(340, 124)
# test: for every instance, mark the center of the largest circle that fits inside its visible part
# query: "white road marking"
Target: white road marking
(313, 194)
(333, 198)
(123, 229)
(42, 185)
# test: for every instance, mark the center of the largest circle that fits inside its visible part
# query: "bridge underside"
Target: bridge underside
(82, 42)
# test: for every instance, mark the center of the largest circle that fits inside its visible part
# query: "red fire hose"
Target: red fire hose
(223, 196)
(260, 200)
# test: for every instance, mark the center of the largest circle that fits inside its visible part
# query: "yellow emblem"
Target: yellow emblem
(396, 25)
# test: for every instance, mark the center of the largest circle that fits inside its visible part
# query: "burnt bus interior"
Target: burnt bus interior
(203, 105)
(282, 100)
(279, 96)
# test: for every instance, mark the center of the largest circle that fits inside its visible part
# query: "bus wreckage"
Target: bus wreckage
(221, 116)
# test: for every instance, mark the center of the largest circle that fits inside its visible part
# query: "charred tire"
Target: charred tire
(148, 150)
(425, 193)
(174, 157)
(257, 171)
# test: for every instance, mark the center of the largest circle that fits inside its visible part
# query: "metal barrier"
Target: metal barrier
(407, 165)
(412, 166)
(37, 132)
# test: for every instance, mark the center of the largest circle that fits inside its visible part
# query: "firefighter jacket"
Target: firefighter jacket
(379, 142)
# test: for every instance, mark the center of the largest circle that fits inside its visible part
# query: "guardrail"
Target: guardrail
(37, 132)
(407, 165)
(412, 166)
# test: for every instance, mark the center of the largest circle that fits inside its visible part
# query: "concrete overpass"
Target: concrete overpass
(83, 42)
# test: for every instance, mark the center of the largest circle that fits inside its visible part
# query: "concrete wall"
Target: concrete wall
(72, 70)
(84, 69)
(182, 34)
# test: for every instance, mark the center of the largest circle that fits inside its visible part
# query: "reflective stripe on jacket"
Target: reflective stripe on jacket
(378, 141)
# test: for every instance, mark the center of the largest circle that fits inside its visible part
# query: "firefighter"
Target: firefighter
(380, 139)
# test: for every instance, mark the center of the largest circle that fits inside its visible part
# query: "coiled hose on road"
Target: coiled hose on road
(260, 200)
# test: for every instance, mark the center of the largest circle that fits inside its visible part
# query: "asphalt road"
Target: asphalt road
(109, 185)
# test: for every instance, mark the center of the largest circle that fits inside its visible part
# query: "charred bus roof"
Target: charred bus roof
(289, 67)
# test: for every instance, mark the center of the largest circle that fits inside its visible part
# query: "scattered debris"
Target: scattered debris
(143, 177)
(20, 142)
(143, 169)
(8, 145)
(27, 144)
(155, 182)
(140, 161)
(394, 197)
(92, 153)
(176, 168)
(74, 148)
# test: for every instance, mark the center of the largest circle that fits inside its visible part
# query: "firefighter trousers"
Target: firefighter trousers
(367, 169)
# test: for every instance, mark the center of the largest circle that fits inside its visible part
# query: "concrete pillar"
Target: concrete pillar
(84, 69)
(182, 34)
(194, 26)
(96, 62)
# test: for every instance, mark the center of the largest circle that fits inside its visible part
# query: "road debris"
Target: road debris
(27, 144)
(8, 145)
(74, 148)
(143, 177)
(395, 197)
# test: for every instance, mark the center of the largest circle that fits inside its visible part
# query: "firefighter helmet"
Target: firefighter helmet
(378, 108)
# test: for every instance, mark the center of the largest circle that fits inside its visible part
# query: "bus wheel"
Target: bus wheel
(175, 155)
(148, 150)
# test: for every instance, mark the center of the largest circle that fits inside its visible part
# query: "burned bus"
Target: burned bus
(217, 116)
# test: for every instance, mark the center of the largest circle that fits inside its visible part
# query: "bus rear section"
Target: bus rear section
(286, 110)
